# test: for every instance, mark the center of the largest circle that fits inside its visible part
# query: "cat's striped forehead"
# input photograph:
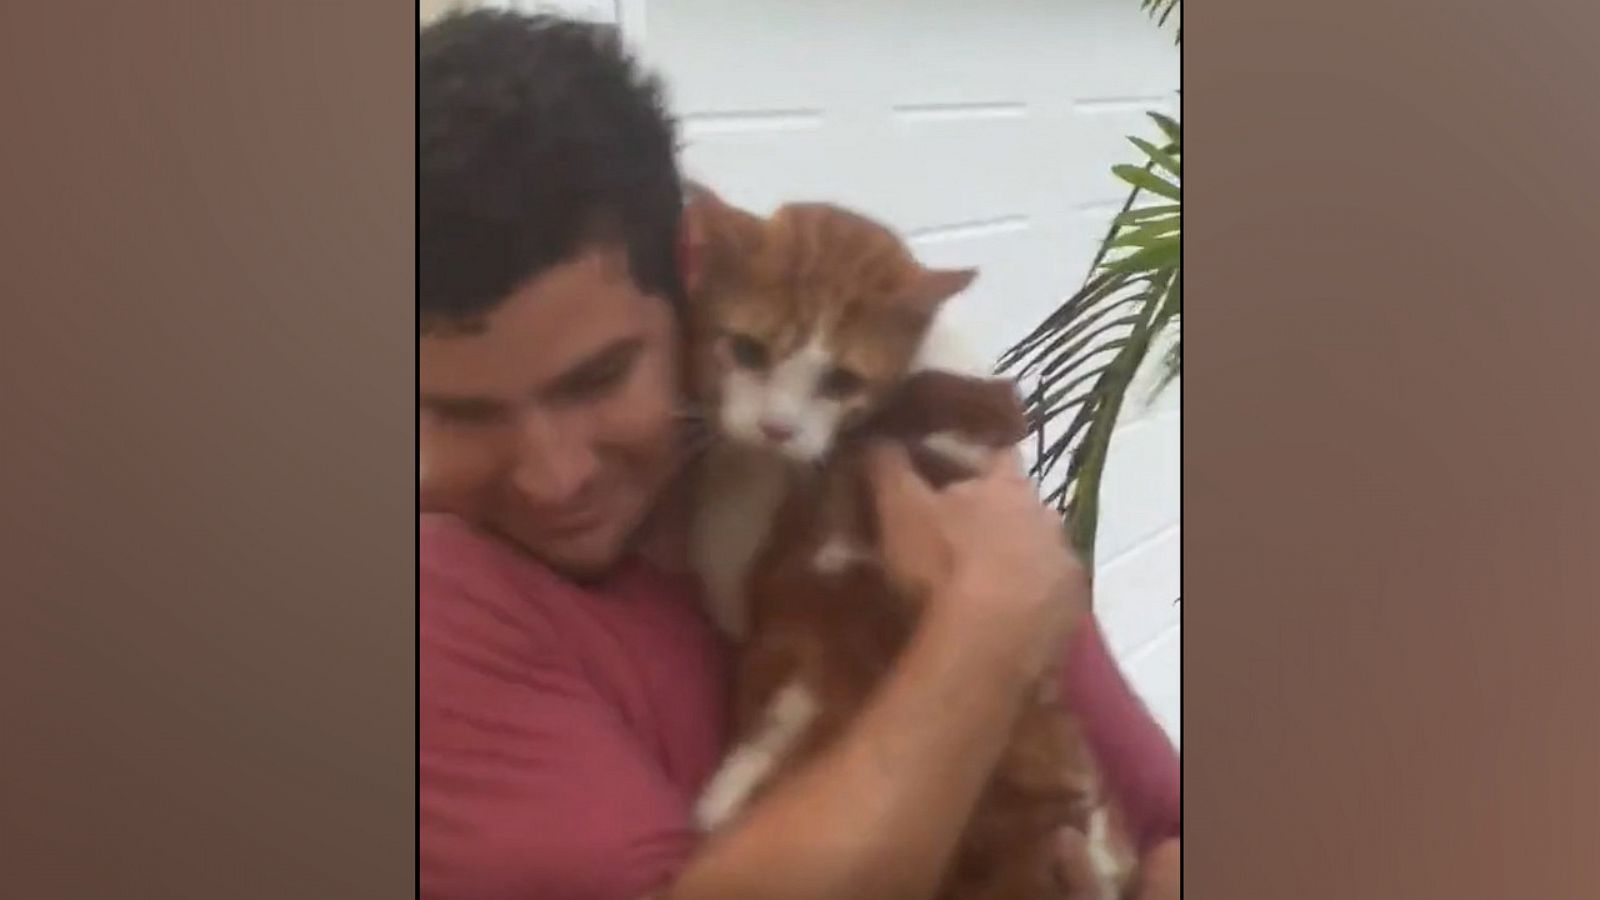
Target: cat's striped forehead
(823, 246)
(824, 260)
(821, 270)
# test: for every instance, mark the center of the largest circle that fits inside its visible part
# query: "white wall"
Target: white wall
(1138, 550)
(985, 132)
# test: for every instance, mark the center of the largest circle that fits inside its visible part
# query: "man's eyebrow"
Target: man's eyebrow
(461, 404)
(612, 352)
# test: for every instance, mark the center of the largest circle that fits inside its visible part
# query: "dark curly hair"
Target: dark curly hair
(537, 136)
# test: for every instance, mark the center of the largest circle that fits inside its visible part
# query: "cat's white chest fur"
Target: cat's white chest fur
(740, 490)
(945, 348)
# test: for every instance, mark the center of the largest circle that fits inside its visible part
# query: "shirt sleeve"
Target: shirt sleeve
(529, 786)
(1136, 758)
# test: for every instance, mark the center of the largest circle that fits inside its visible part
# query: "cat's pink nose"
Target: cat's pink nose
(777, 432)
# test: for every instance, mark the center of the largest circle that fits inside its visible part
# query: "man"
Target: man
(572, 694)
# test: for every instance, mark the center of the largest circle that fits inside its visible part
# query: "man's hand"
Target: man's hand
(984, 551)
(1160, 875)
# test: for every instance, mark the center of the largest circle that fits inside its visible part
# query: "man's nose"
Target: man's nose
(554, 460)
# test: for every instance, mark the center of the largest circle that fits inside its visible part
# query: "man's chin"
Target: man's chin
(582, 558)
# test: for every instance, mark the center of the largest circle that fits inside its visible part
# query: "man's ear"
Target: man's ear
(692, 241)
(934, 286)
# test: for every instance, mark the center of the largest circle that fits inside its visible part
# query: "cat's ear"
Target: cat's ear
(935, 286)
(697, 196)
(713, 226)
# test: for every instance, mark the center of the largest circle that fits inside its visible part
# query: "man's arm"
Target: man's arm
(878, 814)
(1160, 875)
(923, 739)
(1137, 760)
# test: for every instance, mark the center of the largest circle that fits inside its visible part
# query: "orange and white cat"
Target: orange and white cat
(810, 335)
(801, 324)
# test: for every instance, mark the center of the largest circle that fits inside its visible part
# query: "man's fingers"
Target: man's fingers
(1005, 463)
(909, 518)
(1074, 867)
(1160, 875)
(898, 491)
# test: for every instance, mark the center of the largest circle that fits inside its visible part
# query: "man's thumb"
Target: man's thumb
(898, 492)
(1074, 866)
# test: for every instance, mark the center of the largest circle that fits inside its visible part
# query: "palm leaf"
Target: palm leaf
(1172, 367)
(1098, 289)
(1161, 10)
(1170, 128)
(1161, 157)
(1156, 234)
(1146, 180)
(1146, 213)
(1163, 255)
(1079, 362)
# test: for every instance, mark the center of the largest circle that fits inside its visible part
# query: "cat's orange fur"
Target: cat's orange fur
(833, 630)
(812, 270)
(837, 633)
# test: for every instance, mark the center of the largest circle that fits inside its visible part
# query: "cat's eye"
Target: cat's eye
(840, 383)
(747, 351)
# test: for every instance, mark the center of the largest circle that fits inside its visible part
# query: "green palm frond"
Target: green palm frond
(1161, 10)
(1078, 363)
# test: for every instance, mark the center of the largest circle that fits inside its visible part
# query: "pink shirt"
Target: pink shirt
(564, 730)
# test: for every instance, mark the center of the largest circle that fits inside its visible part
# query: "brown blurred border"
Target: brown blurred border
(1391, 601)
(207, 452)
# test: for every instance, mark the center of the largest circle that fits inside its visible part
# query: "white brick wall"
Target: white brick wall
(985, 131)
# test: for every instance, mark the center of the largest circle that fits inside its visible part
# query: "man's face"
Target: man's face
(555, 423)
